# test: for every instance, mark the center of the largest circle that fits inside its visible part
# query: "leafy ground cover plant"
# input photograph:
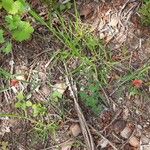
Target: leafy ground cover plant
(19, 29)
(145, 12)
(90, 95)
(33, 112)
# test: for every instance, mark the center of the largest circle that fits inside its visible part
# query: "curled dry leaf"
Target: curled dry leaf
(75, 129)
(22, 72)
(134, 141)
(4, 126)
(101, 35)
(14, 82)
(67, 145)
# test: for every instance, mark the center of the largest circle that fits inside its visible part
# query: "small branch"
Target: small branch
(84, 127)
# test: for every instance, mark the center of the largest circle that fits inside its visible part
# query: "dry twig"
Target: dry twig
(84, 127)
(99, 134)
(113, 120)
(122, 147)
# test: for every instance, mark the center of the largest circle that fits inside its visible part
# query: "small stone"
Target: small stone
(126, 132)
(75, 130)
(46, 90)
(134, 141)
(103, 143)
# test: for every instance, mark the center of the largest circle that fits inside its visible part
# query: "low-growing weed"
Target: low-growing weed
(37, 109)
(145, 12)
(44, 131)
(35, 113)
(5, 74)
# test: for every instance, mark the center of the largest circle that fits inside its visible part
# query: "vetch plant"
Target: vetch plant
(19, 29)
